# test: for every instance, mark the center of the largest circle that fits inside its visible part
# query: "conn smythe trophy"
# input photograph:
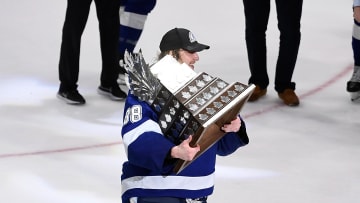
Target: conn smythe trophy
(186, 102)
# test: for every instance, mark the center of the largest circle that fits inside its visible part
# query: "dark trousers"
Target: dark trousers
(77, 13)
(356, 47)
(256, 18)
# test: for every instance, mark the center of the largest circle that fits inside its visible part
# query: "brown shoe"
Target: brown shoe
(289, 97)
(258, 92)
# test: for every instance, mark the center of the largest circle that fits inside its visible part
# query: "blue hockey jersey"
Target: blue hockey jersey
(148, 171)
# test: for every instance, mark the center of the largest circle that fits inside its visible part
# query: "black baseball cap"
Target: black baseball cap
(180, 38)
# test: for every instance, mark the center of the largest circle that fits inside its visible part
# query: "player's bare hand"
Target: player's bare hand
(184, 151)
(233, 126)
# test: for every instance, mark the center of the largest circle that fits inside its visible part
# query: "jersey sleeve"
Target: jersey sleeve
(145, 145)
(233, 140)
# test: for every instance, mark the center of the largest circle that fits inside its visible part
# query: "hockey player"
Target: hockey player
(353, 85)
(148, 174)
(133, 14)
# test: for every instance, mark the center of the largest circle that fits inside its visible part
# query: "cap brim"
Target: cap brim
(196, 47)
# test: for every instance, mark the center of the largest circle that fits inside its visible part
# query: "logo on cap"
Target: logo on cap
(192, 37)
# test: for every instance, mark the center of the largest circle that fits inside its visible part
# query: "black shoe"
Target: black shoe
(353, 86)
(71, 97)
(115, 93)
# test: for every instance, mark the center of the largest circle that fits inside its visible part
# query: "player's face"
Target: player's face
(189, 58)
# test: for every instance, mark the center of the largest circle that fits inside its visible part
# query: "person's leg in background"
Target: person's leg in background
(77, 13)
(108, 16)
(133, 15)
(256, 21)
(353, 85)
(289, 16)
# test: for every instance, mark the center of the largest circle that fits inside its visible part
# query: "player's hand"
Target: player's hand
(233, 126)
(184, 151)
